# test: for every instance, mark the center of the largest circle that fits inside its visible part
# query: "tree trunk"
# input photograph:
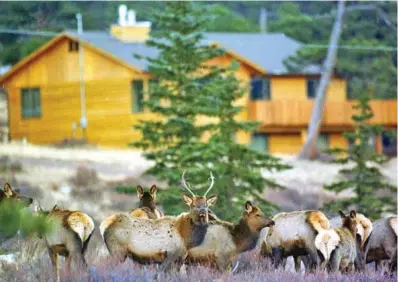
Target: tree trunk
(310, 150)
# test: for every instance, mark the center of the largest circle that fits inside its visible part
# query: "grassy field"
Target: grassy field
(251, 268)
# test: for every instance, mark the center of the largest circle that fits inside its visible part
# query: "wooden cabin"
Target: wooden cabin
(45, 101)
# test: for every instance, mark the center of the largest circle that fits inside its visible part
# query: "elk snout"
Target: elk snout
(271, 223)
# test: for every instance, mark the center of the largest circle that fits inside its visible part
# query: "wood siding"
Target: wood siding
(296, 114)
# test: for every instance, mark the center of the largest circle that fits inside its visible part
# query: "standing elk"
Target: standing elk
(147, 206)
(382, 242)
(338, 245)
(224, 240)
(364, 229)
(70, 235)
(294, 235)
(164, 240)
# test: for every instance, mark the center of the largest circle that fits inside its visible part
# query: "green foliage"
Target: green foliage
(14, 218)
(193, 100)
(364, 178)
(362, 28)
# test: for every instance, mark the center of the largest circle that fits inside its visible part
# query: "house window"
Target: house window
(73, 46)
(259, 142)
(389, 144)
(137, 96)
(323, 141)
(260, 88)
(312, 85)
(30, 102)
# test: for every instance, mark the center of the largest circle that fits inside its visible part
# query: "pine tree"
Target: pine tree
(193, 99)
(14, 218)
(364, 178)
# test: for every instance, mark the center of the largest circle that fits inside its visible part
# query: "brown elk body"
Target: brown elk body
(164, 240)
(69, 237)
(147, 206)
(382, 242)
(339, 245)
(224, 240)
(294, 235)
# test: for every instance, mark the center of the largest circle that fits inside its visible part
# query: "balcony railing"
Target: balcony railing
(298, 113)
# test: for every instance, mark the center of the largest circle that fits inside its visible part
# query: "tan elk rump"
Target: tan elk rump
(70, 235)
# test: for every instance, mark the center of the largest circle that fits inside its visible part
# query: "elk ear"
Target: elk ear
(249, 206)
(353, 214)
(153, 190)
(140, 192)
(188, 200)
(7, 190)
(211, 201)
(342, 214)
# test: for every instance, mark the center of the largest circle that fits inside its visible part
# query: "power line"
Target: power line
(353, 47)
(314, 46)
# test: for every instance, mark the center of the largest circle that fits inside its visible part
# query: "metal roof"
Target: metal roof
(267, 50)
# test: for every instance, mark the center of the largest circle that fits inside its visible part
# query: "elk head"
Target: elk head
(147, 199)
(9, 194)
(349, 221)
(255, 218)
(199, 205)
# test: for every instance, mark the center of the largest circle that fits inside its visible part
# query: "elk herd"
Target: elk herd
(344, 243)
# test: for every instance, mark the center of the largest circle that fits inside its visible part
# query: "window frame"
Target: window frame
(137, 99)
(315, 84)
(265, 92)
(266, 142)
(30, 102)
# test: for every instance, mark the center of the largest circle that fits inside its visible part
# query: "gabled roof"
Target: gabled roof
(264, 52)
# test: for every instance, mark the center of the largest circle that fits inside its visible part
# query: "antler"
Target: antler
(185, 185)
(211, 183)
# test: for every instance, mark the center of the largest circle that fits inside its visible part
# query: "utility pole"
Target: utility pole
(83, 118)
(263, 20)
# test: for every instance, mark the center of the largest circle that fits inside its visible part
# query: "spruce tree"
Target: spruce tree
(193, 100)
(364, 178)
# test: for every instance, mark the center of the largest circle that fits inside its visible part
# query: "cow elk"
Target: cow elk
(338, 245)
(294, 235)
(70, 235)
(10, 194)
(364, 229)
(147, 206)
(170, 237)
(224, 240)
(382, 242)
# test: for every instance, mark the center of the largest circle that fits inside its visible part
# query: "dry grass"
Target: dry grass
(34, 265)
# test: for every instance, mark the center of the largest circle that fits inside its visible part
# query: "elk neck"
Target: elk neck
(192, 234)
(244, 238)
(147, 202)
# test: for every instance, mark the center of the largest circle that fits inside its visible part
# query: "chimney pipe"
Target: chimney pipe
(131, 17)
(122, 15)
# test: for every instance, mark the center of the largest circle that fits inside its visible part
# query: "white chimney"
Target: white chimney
(131, 17)
(122, 15)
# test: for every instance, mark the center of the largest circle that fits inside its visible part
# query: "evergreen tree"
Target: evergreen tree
(192, 100)
(364, 178)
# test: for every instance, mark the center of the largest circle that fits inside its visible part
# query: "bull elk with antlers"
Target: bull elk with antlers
(170, 237)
